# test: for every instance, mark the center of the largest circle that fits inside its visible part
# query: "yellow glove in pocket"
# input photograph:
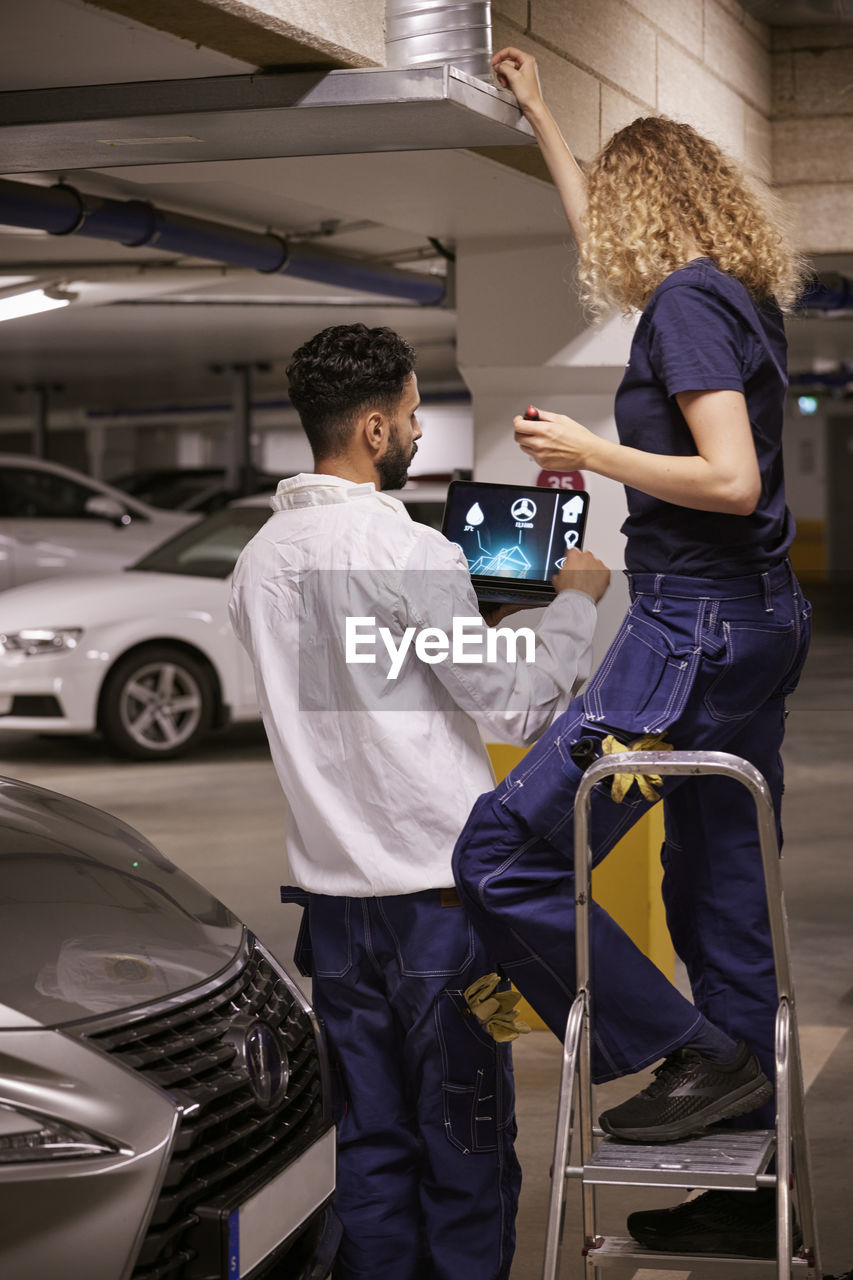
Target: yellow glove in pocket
(495, 1009)
(647, 782)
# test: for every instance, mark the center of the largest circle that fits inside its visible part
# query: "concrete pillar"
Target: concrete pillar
(96, 448)
(522, 339)
(240, 466)
(41, 394)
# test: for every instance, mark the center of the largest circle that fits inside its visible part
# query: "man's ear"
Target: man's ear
(374, 426)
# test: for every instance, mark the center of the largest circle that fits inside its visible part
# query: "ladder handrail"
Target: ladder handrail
(790, 1124)
(784, 1216)
(683, 762)
(562, 1135)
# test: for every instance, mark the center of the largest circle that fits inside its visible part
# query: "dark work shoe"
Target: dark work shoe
(687, 1094)
(725, 1222)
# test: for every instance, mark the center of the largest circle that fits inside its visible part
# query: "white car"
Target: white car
(54, 520)
(146, 657)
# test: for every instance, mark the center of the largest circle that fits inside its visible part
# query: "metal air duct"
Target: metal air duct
(289, 113)
(430, 33)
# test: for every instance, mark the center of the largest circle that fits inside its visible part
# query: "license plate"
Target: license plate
(275, 1212)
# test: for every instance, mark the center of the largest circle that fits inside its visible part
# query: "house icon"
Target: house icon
(572, 510)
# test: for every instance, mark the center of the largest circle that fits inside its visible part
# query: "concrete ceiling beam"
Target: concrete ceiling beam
(270, 33)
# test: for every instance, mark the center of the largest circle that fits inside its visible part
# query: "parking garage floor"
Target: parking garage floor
(219, 816)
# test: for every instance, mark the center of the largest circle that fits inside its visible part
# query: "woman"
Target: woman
(715, 638)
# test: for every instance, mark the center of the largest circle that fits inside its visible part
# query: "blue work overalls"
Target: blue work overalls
(427, 1176)
(709, 662)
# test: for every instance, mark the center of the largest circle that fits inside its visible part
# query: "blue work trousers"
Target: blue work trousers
(427, 1180)
(708, 662)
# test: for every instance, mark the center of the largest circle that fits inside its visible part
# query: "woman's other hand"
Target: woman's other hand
(556, 442)
(517, 71)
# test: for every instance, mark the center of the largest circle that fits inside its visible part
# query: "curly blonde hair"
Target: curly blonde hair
(658, 181)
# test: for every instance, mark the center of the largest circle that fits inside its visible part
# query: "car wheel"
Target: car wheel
(156, 703)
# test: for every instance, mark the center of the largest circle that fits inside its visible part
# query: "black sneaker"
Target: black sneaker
(725, 1222)
(687, 1094)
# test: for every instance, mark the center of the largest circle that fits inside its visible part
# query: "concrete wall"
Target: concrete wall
(781, 101)
(603, 62)
(813, 133)
(805, 461)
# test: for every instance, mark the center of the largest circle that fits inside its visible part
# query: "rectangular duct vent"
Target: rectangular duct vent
(254, 117)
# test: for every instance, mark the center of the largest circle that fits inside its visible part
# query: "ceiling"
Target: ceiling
(131, 340)
(800, 13)
(136, 339)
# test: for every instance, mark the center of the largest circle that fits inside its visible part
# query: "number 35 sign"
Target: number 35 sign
(560, 480)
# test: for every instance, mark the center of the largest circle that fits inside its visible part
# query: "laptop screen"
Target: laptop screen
(514, 535)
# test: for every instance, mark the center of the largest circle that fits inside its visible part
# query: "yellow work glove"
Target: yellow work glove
(647, 782)
(495, 1009)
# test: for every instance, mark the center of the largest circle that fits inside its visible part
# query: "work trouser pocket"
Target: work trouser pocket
(804, 635)
(754, 659)
(330, 935)
(539, 793)
(302, 956)
(476, 1088)
(645, 679)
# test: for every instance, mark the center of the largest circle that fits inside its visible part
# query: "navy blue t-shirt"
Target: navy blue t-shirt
(702, 332)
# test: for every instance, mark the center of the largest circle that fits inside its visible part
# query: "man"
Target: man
(379, 772)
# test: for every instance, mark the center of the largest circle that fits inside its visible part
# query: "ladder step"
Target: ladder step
(727, 1158)
(622, 1249)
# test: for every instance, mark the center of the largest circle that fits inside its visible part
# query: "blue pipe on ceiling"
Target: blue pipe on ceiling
(828, 292)
(62, 210)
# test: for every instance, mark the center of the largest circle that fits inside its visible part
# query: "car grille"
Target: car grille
(43, 705)
(226, 1141)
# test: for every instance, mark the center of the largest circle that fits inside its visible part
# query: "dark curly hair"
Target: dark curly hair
(340, 371)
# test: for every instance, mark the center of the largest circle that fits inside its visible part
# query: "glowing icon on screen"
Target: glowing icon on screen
(523, 509)
(572, 538)
(572, 510)
(475, 515)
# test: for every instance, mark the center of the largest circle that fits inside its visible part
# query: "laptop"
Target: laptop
(514, 537)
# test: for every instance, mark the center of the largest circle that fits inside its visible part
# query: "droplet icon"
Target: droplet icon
(475, 515)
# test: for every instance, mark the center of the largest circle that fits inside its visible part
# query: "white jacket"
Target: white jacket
(380, 774)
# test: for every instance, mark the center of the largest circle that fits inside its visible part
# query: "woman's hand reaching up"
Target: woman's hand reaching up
(517, 71)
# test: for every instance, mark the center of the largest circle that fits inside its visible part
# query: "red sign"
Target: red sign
(560, 480)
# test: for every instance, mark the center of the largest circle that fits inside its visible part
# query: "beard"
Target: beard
(393, 466)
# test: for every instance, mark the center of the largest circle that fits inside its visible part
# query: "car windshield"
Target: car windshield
(175, 491)
(204, 489)
(208, 549)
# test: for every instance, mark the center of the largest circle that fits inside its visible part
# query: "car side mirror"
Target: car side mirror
(103, 507)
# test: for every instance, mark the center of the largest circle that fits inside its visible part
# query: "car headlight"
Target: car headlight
(34, 641)
(26, 1136)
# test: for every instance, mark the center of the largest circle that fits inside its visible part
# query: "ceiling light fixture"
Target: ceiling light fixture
(30, 303)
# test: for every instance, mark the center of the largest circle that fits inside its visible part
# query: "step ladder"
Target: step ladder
(732, 1159)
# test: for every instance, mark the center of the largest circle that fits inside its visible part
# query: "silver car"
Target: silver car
(54, 520)
(164, 1090)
